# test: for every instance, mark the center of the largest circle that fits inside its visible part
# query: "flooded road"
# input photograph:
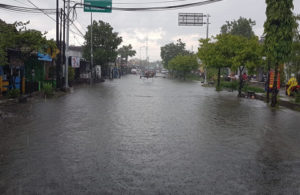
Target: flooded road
(159, 136)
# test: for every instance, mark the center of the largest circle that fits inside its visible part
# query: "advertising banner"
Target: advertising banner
(75, 62)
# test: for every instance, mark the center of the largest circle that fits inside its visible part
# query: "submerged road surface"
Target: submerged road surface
(133, 136)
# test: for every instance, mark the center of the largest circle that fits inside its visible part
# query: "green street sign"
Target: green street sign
(101, 6)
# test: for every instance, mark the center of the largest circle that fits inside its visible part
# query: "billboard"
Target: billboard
(190, 19)
(75, 62)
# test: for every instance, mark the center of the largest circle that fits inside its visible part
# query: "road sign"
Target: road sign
(190, 19)
(100, 6)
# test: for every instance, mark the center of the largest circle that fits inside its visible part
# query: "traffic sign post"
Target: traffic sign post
(194, 19)
(190, 19)
(97, 6)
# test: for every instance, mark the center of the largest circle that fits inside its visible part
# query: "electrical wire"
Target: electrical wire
(21, 2)
(157, 8)
(153, 2)
(27, 9)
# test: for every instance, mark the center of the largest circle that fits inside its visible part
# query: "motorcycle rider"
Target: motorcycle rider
(291, 83)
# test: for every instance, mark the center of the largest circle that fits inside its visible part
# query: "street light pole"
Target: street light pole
(67, 45)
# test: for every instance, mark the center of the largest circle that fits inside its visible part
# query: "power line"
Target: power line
(21, 2)
(41, 10)
(157, 8)
(26, 9)
(153, 2)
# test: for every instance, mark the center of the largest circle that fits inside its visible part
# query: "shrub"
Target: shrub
(252, 88)
(48, 89)
(233, 85)
(13, 93)
(71, 74)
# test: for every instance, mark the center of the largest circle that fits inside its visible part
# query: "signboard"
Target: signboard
(75, 62)
(100, 6)
(44, 57)
(272, 74)
(190, 19)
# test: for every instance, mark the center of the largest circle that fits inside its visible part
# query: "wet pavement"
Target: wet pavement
(160, 136)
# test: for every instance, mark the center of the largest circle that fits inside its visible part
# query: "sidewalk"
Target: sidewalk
(283, 100)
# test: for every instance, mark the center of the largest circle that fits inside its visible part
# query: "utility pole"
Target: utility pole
(207, 30)
(147, 58)
(67, 45)
(64, 34)
(58, 59)
(92, 55)
(195, 19)
(61, 43)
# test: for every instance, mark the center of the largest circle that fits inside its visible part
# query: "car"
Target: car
(133, 71)
(164, 71)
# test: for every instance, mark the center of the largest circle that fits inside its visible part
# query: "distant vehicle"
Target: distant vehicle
(164, 71)
(148, 74)
(133, 71)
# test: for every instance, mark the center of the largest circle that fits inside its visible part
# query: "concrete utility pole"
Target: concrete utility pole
(92, 55)
(207, 30)
(58, 61)
(67, 45)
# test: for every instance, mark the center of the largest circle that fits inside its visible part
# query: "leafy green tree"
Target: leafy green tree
(183, 64)
(8, 34)
(241, 27)
(105, 43)
(294, 63)
(171, 50)
(126, 51)
(17, 36)
(278, 35)
(216, 54)
(247, 54)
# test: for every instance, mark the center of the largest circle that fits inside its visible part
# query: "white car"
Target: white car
(164, 71)
(133, 71)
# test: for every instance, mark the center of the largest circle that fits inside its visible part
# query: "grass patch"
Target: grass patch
(252, 88)
(233, 85)
(193, 77)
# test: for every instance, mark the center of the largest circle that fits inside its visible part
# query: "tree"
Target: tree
(105, 43)
(183, 64)
(126, 51)
(294, 63)
(17, 36)
(241, 27)
(278, 35)
(8, 33)
(171, 50)
(216, 54)
(247, 54)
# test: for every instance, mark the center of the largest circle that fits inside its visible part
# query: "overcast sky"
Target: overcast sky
(161, 27)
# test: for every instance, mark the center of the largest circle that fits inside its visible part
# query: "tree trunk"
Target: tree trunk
(275, 90)
(268, 83)
(219, 76)
(241, 82)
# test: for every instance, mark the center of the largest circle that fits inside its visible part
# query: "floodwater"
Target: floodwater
(160, 136)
